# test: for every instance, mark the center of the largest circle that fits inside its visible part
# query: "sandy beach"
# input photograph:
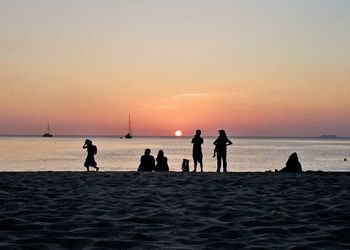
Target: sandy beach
(125, 210)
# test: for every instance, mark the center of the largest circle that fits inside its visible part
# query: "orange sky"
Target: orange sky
(281, 68)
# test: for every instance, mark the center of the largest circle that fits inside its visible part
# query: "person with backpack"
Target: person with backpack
(90, 159)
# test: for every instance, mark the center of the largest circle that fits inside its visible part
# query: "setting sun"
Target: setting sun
(178, 133)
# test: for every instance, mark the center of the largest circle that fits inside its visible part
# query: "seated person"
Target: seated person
(147, 161)
(293, 164)
(162, 162)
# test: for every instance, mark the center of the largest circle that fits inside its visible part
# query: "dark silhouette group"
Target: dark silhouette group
(149, 164)
(220, 150)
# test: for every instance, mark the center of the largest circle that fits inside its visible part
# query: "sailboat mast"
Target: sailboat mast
(48, 128)
(129, 125)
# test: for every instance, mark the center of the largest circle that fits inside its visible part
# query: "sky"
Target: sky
(251, 67)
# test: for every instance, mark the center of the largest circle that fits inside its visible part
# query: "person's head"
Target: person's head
(222, 132)
(88, 142)
(198, 132)
(147, 151)
(160, 153)
(294, 157)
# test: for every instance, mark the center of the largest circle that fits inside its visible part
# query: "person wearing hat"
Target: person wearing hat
(221, 144)
(90, 159)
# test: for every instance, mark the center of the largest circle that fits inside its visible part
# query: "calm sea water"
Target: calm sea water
(115, 154)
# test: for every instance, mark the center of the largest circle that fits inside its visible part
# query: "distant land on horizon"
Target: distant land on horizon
(328, 136)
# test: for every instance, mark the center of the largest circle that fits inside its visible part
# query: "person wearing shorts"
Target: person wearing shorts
(197, 154)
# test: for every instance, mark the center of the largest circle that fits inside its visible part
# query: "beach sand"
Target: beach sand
(123, 210)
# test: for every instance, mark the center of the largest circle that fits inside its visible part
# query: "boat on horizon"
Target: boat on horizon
(129, 134)
(48, 133)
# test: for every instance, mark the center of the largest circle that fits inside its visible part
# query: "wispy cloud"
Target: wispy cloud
(191, 95)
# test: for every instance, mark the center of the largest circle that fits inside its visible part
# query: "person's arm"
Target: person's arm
(215, 142)
(84, 146)
(228, 142)
(166, 164)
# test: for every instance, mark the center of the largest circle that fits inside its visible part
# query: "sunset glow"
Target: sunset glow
(178, 133)
(256, 68)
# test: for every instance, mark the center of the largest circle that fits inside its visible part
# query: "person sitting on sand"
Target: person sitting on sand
(197, 154)
(293, 164)
(162, 162)
(221, 144)
(90, 159)
(147, 161)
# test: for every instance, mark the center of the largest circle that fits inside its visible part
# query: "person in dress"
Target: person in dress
(147, 162)
(197, 154)
(221, 144)
(162, 162)
(91, 151)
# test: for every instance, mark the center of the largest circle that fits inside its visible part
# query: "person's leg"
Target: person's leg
(201, 164)
(86, 164)
(94, 164)
(195, 164)
(218, 161)
(224, 162)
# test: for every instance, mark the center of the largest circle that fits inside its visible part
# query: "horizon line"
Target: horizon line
(183, 136)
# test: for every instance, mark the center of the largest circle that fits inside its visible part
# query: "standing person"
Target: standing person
(197, 154)
(221, 144)
(147, 162)
(90, 159)
(162, 162)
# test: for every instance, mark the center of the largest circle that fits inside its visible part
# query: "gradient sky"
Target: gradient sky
(252, 67)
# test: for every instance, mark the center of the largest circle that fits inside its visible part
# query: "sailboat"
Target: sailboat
(129, 135)
(48, 133)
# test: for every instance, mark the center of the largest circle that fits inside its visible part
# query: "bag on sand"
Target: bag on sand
(185, 165)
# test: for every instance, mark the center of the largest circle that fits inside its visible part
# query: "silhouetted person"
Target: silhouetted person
(147, 161)
(162, 162)
(197, 154)
(293, 164)
(221, 144)
(90, 159)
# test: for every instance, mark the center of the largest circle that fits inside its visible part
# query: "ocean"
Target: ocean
(115, 154)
